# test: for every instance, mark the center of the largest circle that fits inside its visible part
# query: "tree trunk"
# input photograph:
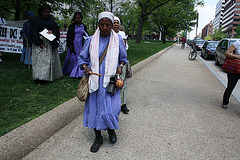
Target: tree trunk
(17, 15)
(18, 11)
(140, 24)
(163, 37)
(139, 32)
(164, 34)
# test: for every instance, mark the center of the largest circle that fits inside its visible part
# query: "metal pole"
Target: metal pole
(187, 21)
(197, 25)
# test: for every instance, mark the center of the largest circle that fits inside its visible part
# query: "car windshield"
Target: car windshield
(200, 42)
(213, 44)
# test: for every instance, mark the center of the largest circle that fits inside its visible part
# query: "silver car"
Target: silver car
(222, 47)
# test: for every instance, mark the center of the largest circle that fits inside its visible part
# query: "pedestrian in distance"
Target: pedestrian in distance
(102, 109)
(75, 41)
(26, 56)
(232, 52)
(123, 91)
(46, 65)
(183, 42)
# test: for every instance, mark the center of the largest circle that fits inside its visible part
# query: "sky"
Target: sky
(206, 14)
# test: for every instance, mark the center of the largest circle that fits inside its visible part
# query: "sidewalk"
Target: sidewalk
(173, 115)
(222, 77)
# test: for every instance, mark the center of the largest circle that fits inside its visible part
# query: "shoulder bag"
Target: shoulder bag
(129, 70)
(231, 65)
(83, 87)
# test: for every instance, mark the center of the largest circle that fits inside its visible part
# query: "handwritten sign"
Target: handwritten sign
(12, 42)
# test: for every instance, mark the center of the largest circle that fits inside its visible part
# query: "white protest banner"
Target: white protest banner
(63, 42)
(11, 40)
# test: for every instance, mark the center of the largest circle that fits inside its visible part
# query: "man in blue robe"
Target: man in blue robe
(102, 109)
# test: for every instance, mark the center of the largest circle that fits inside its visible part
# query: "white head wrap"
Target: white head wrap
(117, 19)
(106, 14)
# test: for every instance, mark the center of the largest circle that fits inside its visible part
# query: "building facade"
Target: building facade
(231, 17)
(217, 22)
(207, 30)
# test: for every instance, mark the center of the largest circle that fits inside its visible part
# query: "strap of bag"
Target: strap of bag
(103, 55)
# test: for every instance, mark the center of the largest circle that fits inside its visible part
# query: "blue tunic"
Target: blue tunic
(25, 52)
(102, 109)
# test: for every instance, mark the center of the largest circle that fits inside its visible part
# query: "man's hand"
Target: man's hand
(87, 69)
(50, 32)
(119, 69)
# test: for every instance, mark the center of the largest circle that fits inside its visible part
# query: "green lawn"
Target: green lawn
(22, 100)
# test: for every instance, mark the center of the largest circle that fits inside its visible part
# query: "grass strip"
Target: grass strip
(22, 100)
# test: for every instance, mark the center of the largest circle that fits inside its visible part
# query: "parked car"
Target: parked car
(208, 49)
(222, 47)
(199, 44)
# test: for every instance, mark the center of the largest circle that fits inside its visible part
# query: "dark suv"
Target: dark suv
(222, 47)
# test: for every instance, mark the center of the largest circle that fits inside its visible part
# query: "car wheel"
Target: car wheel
(216, 60)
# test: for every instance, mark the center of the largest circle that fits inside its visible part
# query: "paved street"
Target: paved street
(175, 113)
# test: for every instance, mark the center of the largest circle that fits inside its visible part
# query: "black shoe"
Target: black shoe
(96, 145)
(124, 109)
(224, 106)
(112, 135)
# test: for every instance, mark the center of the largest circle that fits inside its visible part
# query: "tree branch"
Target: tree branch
(161, 4)
(7, 10)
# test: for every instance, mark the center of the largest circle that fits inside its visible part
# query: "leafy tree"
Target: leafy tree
(218, 35)
(149, 6)
(169, 21)
(19, 8)
(237, 30)
(207, 38)
(128, 14)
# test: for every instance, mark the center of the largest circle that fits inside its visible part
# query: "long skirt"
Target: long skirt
(46, 63)
(69, 62)
(24, 57)
(102, 109)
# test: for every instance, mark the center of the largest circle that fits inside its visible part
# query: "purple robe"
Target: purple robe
(71, 64)
(102, 109)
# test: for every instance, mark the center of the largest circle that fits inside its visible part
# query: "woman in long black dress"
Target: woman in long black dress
(46, 65)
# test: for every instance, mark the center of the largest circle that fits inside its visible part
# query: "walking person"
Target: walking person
(183, 42)
(26, 56)
(46, 65)
(75, 41)
(123, 91)
(102, 109)
(232, 52)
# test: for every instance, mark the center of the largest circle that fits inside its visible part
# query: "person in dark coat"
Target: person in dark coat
(75, 40)
(46, 65)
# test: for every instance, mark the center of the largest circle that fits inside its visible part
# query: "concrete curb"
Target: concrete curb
(21, 141)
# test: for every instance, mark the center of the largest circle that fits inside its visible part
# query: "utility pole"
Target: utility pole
(197, 24)
(187, 21)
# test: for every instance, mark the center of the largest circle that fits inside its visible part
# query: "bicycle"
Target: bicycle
(193, 54)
